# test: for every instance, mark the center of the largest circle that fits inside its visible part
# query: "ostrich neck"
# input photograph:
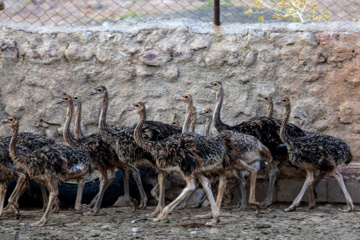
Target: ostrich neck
(145, 144)
(189, 112)
(77, 129)
(12, 148)
(104, 108)
(270, 110)
(216, 117)
(207, 126)
(193, 123)
(67, 134)
(283, 134)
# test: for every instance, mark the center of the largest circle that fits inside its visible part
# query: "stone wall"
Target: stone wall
(316, 65)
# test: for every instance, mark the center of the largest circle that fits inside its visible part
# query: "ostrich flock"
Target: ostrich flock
(235, 152)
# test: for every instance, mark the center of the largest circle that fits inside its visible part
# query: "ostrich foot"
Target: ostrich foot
(40, 223)
(310, 206)
(212, 223)
(265, 204)
(153, 214)
(90, 213)
(162, 215)
(349, 209)
(290, 209)
(142, 205)
(206, 216)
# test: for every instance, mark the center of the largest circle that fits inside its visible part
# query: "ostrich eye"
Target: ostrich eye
(66, 99)
(266, 98)
(284, 100)
(75, 98)
(207, 112)
(99, 90)
(215, 84)
(136, 105)
(186, 97)
(10, 119)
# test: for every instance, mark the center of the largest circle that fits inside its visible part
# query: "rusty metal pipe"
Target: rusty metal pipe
(217, 12)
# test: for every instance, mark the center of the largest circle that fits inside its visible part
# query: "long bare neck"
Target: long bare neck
(12, 148)
(77, 129)
(219, 125)
(66, 133)
(283, 134)
(207, 126)
(193, 123)
(145, 144)
(270, 109)
(189, 112)
(104, 108)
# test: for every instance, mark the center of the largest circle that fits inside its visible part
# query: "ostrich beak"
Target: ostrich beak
(4, 121)
(92, 92)
(59, 101)
(131, 108)
(278, 102)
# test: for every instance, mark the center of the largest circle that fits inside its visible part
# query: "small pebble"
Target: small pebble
(133, 221)
(193, 232)
(135, 230)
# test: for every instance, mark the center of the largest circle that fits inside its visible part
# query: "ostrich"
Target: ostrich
(103, 157)
(315, 151)
(9, 171)
(48, 165)
(188, 153)
(240, 187)
(265, 129)
(122, 141)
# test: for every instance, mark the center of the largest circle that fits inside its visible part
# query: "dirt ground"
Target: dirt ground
(323, 222)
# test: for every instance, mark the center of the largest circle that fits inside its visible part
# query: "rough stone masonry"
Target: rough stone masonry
(316, 65)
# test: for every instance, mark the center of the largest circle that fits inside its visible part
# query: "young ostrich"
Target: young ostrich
(103, 157)
(236, 175)
(122, 141)
(315, 151)
(48, 165)
(9, 171)
(264, 129)
(187, 153)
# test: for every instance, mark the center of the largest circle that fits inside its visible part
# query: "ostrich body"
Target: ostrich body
(48, 165)
(104, 158)
(187, 153)
(12, 171)
(265, 129)
(315, 152)
(121, 139)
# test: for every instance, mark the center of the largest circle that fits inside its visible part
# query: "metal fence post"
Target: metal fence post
(217, 12)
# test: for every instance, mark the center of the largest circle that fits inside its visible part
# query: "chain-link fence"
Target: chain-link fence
(110, 12)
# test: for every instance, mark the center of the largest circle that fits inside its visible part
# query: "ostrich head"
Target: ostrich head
(138, 107)
(99, 91)
(265, 99)
(206, 113)
(175, 122)
(12, 122)
(76, 99)
(214, 85)
(285, 101)
(2, 5)
(66, 99)
(185, 98)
